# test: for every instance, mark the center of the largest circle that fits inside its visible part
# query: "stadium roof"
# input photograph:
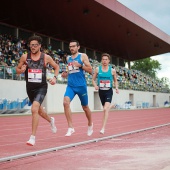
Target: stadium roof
(103, 25)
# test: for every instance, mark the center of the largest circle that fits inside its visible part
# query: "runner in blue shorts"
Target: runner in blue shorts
(78, 63)
(81, 91)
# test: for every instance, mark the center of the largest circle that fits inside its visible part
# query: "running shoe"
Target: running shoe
(31, 141)
(53, 127)
(70, 131)
(102, 131)
(90, 130)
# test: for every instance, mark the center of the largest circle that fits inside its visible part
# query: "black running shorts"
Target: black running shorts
(105, 96)
(38, 94)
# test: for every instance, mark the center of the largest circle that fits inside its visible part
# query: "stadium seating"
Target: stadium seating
(128, 79)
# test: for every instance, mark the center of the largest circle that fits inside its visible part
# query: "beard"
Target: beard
(34, 51)
(73, 52)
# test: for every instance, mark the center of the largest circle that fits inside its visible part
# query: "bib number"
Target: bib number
(35, 75)
(104, 84)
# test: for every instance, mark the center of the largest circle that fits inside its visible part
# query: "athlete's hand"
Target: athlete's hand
(117, 91)
(52, 81)
(76, 64)
(23, 68)
(96, 87)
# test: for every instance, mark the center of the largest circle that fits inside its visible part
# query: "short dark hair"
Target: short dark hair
(35, 37)
(106, 54)
(78, 44)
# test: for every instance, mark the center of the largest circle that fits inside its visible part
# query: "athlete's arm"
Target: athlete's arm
(64, 74)
(21, 67)
(115, 80)
(87, 66)
(55, 66)
(94, 79)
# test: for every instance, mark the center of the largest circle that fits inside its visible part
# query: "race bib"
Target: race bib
(35, 75)
(104, 84)
(72, 69)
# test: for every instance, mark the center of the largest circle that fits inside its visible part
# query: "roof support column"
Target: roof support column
(17, 32)
(129, 67)
(62, 45)
(117, 61)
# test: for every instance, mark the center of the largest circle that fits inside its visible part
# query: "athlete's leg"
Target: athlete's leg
(112, 106)
(89, 118)
(35, 116)
(106, 109)
(106, 98)
(68, 96)
(39, 97)
(68, 115)
(44, 114)
(67, 111)
(88, 114)
(32, 94)
(35, 119)
(83, 96)
(51, 120)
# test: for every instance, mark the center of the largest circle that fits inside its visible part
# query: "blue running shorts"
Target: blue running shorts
(81, 91)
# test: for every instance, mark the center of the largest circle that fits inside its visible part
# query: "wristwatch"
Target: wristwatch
(55, 77)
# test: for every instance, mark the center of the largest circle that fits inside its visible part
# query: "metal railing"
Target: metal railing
(9, 72)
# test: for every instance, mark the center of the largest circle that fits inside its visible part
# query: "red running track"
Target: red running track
(15, 130)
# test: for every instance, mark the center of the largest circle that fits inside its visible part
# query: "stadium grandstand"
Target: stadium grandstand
(99, 26)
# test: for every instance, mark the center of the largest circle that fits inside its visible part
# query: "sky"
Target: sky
(157, 12)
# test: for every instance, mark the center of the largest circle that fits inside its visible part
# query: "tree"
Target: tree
(147, 66)
(166, 82)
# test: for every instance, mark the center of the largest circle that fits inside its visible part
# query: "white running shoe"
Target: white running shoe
(90, 130)
(31, 141)
(70, 131)
(102, 131)
(53, 127)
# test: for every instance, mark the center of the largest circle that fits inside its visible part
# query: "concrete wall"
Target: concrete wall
(11, 90)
